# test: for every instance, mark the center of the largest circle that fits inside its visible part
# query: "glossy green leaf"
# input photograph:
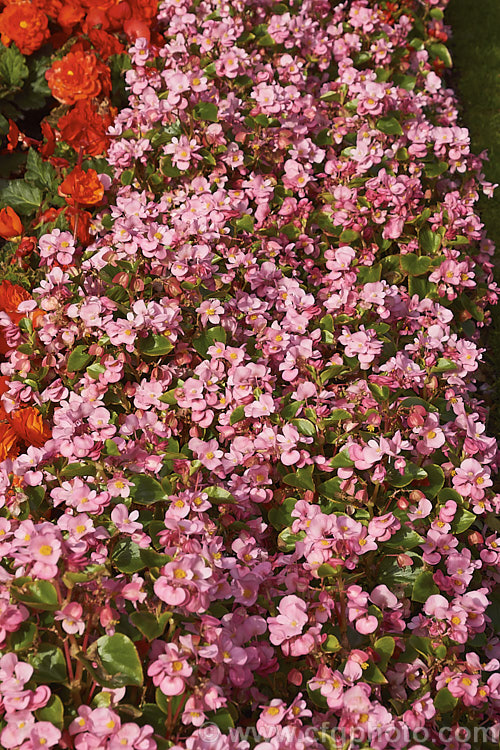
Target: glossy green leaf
(49, 664)
(35, 594)
(146, 490)
(301, 479)
(155, 345)
(78, 359)
(149, 624)
(119, 658)
(424, 587)
(53, 711)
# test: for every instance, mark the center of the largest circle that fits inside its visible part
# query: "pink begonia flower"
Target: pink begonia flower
(262, 407)
(471, 479)
(291, 620)
(367, 624)
(124, 521)
(70, 617)
(383, 597)
(287, 442)
(170, 670)
(44, 734)
(131, 736)
(356, 699)
(422, 510)
(210, 311)
(207, 452)
(437, 606)
(18, 728)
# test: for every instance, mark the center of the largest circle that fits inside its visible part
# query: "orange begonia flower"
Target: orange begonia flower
(8, 442)
(25, 25)
(29, 426)
(82, 188)
(11, 295)
(79, 75)
(82, 127)
(10, 224)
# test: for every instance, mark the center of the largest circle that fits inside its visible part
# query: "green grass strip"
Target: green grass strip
(475, 47)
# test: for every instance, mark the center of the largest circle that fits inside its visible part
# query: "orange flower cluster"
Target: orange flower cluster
(25, 425)
(21, 426)
(78, 75)
(82, 188)
(25, 25)
(10, 224)
(84, 127)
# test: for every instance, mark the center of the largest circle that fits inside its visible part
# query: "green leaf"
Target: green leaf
(22, 197)
(153, 559)
(349, 235)
(147, 490)
(301, 479)
(39, 172)
(13, 68)
(223, 719)
(405, 538)
(385, 648)
(463, 520)
(328, 742)
(331, 372)
(237, 414)
(368, 274)
(53, 711)
(245, 223)
(436, 169)
(149, 625)
(95, 370)
(435, 477)
(127, 556)
(331, 645)
(155, 345)
(119, 658)
(287, 540)
(206, 111)
(424, 587)
(169, 397)
(342, 460)
(49, 664)
(23, 637)
(79, 470)
(379, 392)
(442, 53)
(389, 125)
(337, 415)
(304, 426)
(219, 496)
(444, 701)
(373, 674)
(429, 241)
(111, 448)
(208, 338)
(35, 594)
(326, 570)
(415, 265)
(78, 359)
(330, 488)
(447, 493)
(444, 365)
(281, 517)
(291, 409)
(392, 574)
(412, 473)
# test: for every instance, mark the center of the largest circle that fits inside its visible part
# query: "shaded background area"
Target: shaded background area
(475, 48)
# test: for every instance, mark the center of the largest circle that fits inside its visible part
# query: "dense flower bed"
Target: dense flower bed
(247, 490)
